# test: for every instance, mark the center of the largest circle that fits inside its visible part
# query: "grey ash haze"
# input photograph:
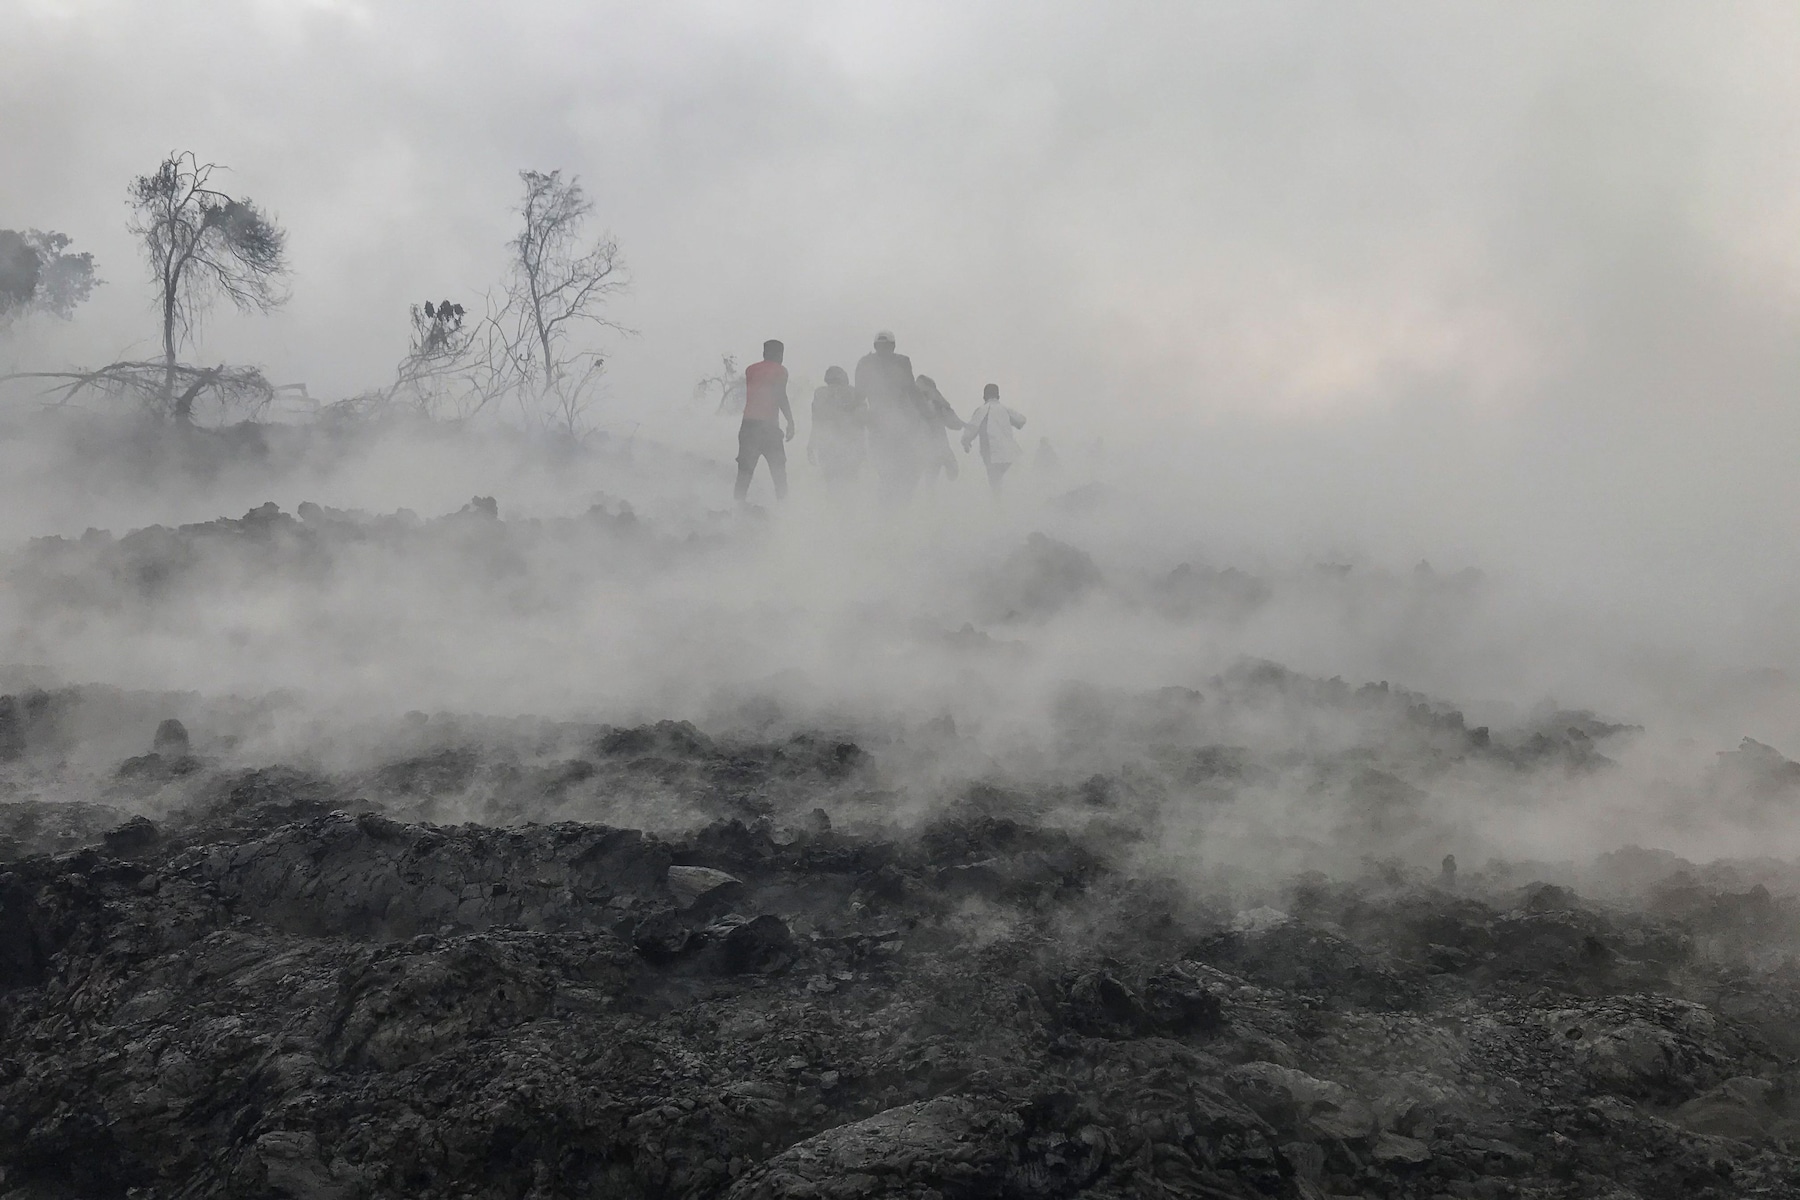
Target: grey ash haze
(1362, 763)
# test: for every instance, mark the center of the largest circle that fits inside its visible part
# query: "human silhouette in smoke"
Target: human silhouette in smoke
(897, 429)
(993, 424)
(760, 436)
(940, 419)
(840, 427)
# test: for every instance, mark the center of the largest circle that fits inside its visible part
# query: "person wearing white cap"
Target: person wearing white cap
(896, 425)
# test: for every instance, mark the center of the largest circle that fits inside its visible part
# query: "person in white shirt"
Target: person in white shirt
(993, 424)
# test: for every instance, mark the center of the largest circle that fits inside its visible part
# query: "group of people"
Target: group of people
(897, 421)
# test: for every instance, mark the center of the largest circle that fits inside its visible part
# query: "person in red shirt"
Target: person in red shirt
(760, 436)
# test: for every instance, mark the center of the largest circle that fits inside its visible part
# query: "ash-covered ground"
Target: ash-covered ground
(638, 847)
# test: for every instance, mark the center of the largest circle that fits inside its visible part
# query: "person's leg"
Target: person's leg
(776, 452)
(746, 459)
(995, 472)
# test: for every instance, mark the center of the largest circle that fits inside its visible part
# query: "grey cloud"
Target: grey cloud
(1496, 284)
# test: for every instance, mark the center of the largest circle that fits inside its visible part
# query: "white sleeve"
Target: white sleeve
(1018, 418)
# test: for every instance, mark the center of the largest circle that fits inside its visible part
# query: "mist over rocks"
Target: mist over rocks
(1344, 743)
(1194, 943)
(281, 995)
(632, 846)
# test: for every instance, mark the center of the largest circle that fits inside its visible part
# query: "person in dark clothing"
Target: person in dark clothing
(760, 436)
(940, 418)
(896, 425)
(840, 427)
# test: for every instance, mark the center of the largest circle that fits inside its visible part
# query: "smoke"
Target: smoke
(1050, 642)
(1442, 347)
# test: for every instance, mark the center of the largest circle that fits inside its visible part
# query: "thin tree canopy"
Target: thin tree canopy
(559, 282)
(201, 243)
(37, 274)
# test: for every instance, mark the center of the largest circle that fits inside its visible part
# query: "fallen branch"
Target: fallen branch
(147, 383)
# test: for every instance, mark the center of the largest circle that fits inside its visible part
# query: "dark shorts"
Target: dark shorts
(761, 439)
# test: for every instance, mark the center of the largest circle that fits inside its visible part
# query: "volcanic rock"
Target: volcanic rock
(171, 738)
(691, 885)
(280, 981)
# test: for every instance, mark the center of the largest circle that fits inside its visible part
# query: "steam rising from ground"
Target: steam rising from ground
(1508, 294)
(1418, 547)
(1263, 709)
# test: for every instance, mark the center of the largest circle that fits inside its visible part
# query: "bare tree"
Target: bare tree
(728, 385)
(453, 360)
(201, 244)
(37, 274)
(435, 356)
(558, 285)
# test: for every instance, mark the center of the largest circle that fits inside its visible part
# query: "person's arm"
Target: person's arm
(781, 398)
(948, 414)
(971, 427)
(812, 430)
(921, 401)
(1018, 418)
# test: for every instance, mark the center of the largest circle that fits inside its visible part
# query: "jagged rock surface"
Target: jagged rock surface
(271, 993)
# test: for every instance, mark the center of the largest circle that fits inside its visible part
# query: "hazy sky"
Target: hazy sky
(1511, 285)
(1547, 255)
(1293, 207)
